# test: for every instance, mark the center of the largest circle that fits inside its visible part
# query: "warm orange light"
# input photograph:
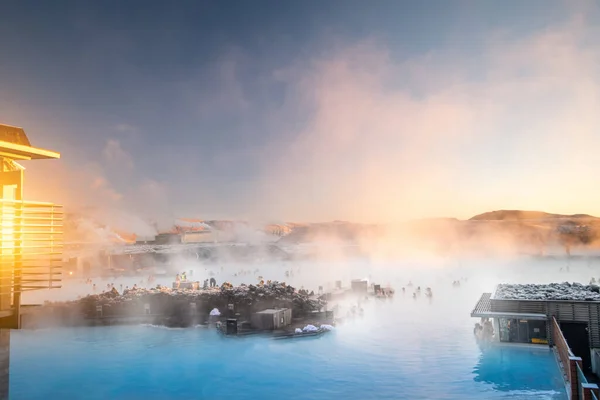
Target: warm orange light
(19, 151)
(8, 229)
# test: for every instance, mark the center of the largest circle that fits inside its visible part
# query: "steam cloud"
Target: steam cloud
(438, 135)
(367, 137)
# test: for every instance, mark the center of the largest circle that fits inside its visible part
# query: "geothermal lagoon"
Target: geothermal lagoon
(405, 348)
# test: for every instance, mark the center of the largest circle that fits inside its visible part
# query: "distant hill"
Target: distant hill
(517, 215)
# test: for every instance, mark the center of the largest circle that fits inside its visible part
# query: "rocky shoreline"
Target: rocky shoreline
(173, 307)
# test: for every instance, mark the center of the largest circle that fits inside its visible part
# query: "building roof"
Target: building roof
(191, 225)
(483, 309)
(271, 311)
(553, 291)
(15, 144)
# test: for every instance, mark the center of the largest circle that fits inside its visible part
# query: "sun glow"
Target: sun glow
(8, 233)
(8, 220)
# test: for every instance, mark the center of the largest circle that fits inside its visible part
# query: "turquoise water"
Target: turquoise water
(153, 363)
(401, 349)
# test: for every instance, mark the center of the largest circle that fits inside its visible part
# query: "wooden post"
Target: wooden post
(573, 377)
(4, 363)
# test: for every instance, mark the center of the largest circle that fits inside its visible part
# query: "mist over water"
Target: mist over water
(401, 348)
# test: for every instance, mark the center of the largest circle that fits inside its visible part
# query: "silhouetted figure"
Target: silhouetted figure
(213, 282)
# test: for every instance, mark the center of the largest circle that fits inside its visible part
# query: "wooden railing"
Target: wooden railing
(578, 385)
(562, 347)
(31, 246)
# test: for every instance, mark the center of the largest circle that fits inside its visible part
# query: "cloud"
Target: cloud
(109, 189)
(218, 91)
(128, 132)
(101, 186)
(437, 134)
(116, 156)
(126, 128)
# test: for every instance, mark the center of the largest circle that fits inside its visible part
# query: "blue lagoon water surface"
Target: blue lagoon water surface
(405, 348)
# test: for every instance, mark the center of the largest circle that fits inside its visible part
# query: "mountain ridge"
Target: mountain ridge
(519, 215)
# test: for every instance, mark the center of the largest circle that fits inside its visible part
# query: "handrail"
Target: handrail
(564, 351)
(31, 203)
(31, 245)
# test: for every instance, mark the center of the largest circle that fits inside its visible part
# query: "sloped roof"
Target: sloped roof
(13, 134)
(14, 144)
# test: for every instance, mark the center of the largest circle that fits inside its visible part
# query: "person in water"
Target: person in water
(477, 329)
(488, 329)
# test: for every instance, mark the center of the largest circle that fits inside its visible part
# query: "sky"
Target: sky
(307, 111)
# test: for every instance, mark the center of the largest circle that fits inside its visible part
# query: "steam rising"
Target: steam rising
(437, 135)
(365, 136)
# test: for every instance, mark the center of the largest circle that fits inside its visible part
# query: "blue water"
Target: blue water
(400, 349)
